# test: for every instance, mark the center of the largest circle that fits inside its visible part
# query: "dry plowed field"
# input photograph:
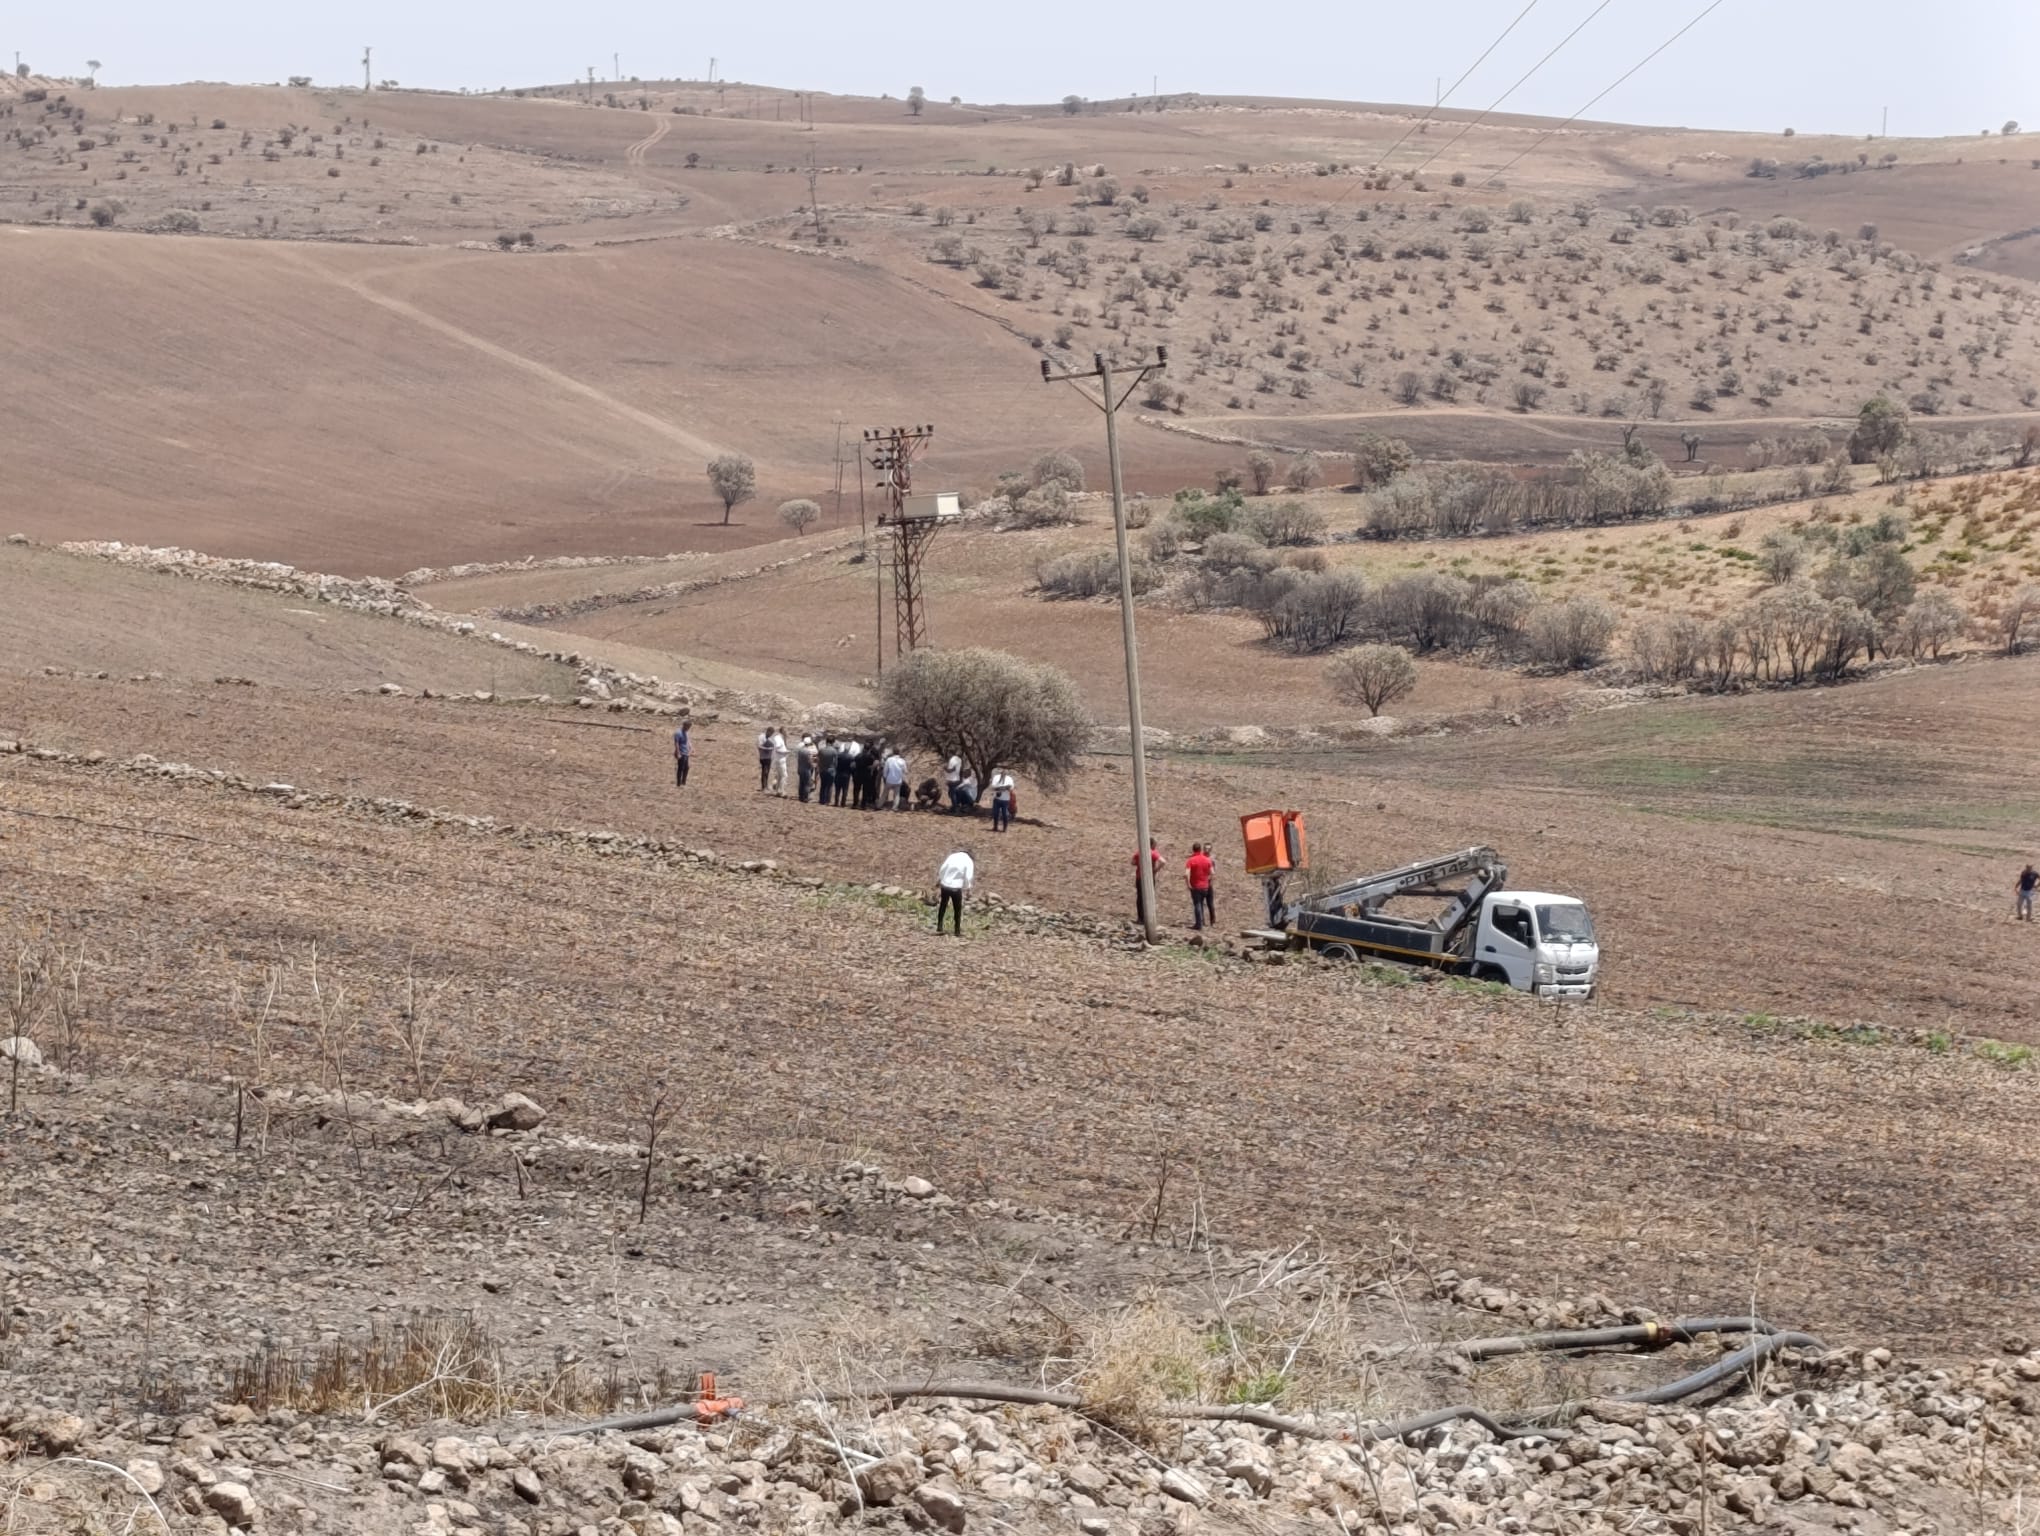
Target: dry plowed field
(1843, 854)
(1866, 1192)
(364, 410)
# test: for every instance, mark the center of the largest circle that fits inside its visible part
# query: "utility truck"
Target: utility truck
(1536, 941)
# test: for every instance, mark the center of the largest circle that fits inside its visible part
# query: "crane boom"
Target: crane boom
(1369, 891)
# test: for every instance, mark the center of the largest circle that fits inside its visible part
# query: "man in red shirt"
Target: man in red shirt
(1197, 869)
(1154, 854)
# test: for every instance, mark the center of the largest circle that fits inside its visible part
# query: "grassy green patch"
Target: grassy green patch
(2003, 1054)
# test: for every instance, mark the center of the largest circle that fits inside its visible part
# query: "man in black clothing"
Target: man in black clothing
(825, 760)
(2029, 877)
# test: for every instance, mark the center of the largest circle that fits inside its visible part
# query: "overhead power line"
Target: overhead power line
(1432, 111)
(1661, 47)
(1490, 109)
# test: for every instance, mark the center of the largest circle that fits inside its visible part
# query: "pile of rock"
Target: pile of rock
(1907, 1446)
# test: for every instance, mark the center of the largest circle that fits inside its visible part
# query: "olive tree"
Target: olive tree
(799, 513)
(1378, 459)
(1882, 427)
(992, 709)
(2019, 611)
(1932, 621)
(916, 100)
(1572, 634)
(1261, 471)
(1058, 468)
(735, 479)
(1372, 675)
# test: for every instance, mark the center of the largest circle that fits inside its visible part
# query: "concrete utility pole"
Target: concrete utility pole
(366, 85)
(1109, 403)
(616, 66)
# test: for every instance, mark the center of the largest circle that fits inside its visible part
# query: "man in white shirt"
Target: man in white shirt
(1002, 800)
(895, 782)
(846, 768)
(952, 775)
(958, 874)
(779, 761)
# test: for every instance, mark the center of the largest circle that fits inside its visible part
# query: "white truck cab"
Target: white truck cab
(1537, 942)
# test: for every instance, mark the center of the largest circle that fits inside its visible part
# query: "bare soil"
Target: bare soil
(1695, 1164)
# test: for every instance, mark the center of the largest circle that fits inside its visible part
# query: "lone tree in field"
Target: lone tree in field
(735, 479)
(916, 100)
(1882, 427)
(1058, 468)
(1373, 675)
(799, 513)
(991, 709)
(1260, 471)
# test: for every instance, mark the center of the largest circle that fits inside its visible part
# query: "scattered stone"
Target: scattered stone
(51, 1433)
(233, 1503)
(525, 1484)
(893, 1478)
(514, 1112)
(147, 1475)
(917, 1189)
(21, 1048)
(1178, 1484)
(942, 1505)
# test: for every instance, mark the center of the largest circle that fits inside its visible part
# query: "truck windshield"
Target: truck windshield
(1567, 924)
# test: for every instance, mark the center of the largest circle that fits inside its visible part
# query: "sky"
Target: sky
(1952, 67)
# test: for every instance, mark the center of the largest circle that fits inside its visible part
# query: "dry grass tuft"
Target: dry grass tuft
(1134, 1361)
(849, 1352)
(427, 1366)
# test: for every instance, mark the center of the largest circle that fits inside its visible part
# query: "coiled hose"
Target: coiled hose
(1729, 1368)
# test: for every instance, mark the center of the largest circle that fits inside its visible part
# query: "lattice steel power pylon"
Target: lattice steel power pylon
(892, 453)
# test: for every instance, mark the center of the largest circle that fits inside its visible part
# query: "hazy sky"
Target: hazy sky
(1819, 65)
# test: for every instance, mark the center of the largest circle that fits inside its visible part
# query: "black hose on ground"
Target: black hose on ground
(1628, 1335)
(1728, 1368)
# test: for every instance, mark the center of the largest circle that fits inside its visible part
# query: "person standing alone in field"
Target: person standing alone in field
(683, 748)
(957, 875)
(1002, 799)
(1197, 870)
(764, 759)
(2029, 878)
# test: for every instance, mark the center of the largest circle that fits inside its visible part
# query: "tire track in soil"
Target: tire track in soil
(635, 155)
(677, 435)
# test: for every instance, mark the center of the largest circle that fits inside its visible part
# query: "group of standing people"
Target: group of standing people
(846, 770)
(1197, 873)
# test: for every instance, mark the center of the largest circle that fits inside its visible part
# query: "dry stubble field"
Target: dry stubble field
(1696, 1165)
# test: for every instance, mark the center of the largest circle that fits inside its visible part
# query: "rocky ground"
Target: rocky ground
(167, 1356)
